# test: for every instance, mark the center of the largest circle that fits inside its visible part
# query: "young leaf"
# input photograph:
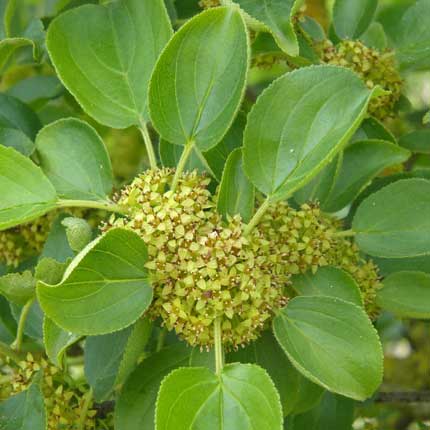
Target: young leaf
(199, 80)
(105, 289)
(394, 221)
(79, 233)
(277, 17)
(105, 55)
(362, 161)
(18, 288)
(351, 19)
(280, 155)
(16, 139)
(298, 394)
(26, 192)
(234, 399)
(74, 158)
(328, 281)
(333, 343)
(406, 294)
(24, 411)
(236, 194)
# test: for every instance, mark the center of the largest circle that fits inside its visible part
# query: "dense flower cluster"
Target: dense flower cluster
(205, 268)
(373, 67)
(206, 4)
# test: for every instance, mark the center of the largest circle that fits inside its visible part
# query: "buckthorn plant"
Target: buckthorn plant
(213, 214)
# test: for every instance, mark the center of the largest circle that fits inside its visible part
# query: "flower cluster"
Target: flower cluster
(204, 268)
(373, 67)
(207, 4)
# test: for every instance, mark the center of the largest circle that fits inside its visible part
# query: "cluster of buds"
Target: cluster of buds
(373, 67)
(205, 269)
(65, 403)
(207, 4)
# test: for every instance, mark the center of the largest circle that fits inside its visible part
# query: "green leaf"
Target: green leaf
(24, 411)
(56, 341)
(170, 154)
(105, 354)
(135, 408)
(16, 139)
(387, 266)
(328, 281)
(298, 394)
(412, 37)
(277, 16)
(371, 129)
(417, 141)
(333, 343)
(236, 194)
(74, 158)
(280, 155)
(199, 80)
(375, 37)
(26, 192)
(232, 400)
(105, 55)
(79, 233)
(18, 288)
(34, 322)
(351, 19)
(394, 221)
(362, 162)
(406, 294)
(10, 46)
(105, 289)
(15, 114)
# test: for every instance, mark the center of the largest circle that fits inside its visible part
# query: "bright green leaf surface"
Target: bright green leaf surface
(105, 55)
(394, 221)
(105, 289)
(242, 397)
(199, 80)
(333, 343)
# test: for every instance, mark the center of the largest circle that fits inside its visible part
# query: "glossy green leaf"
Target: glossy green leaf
(362, 161)
(105, 354)
(298, 394)
(351, 19)
(328, 281)
(236, 193)
(280, 155)
(105, 289)
(387, 266)
(277, 16)
(371, 129)
(417, 141)
(26, 192)
(232, 400)
(18, 288)
(15, 114)
(24, 411)
(105, 55)
(394, 221)
(16, 139)
(74, 158)
(199, 80)
(406, 294)
(135, 408)
(56, 341)
(333, 343)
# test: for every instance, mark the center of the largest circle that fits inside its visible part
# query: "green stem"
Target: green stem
(346, 233)
(21, 325)
(7, 351)
(257, 217)
(148, 144)
(182, 162)
(107, 206)
(219, 353)
(161, 339)
(85, 407)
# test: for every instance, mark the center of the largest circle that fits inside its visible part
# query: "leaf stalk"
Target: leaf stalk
(188, 149)
(257, 217)
(148, 145)
(21, 324)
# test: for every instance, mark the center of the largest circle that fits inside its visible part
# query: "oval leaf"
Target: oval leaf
(199, 80)
(280, 154)
(26, 192)
(105, 289)
(236, 193)
(394, 222)
(406, 294)
(333, 343)
(16, 139)
(417, 141)
(74, 158)
(232, 400)
(328, 281)
(105, 55)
